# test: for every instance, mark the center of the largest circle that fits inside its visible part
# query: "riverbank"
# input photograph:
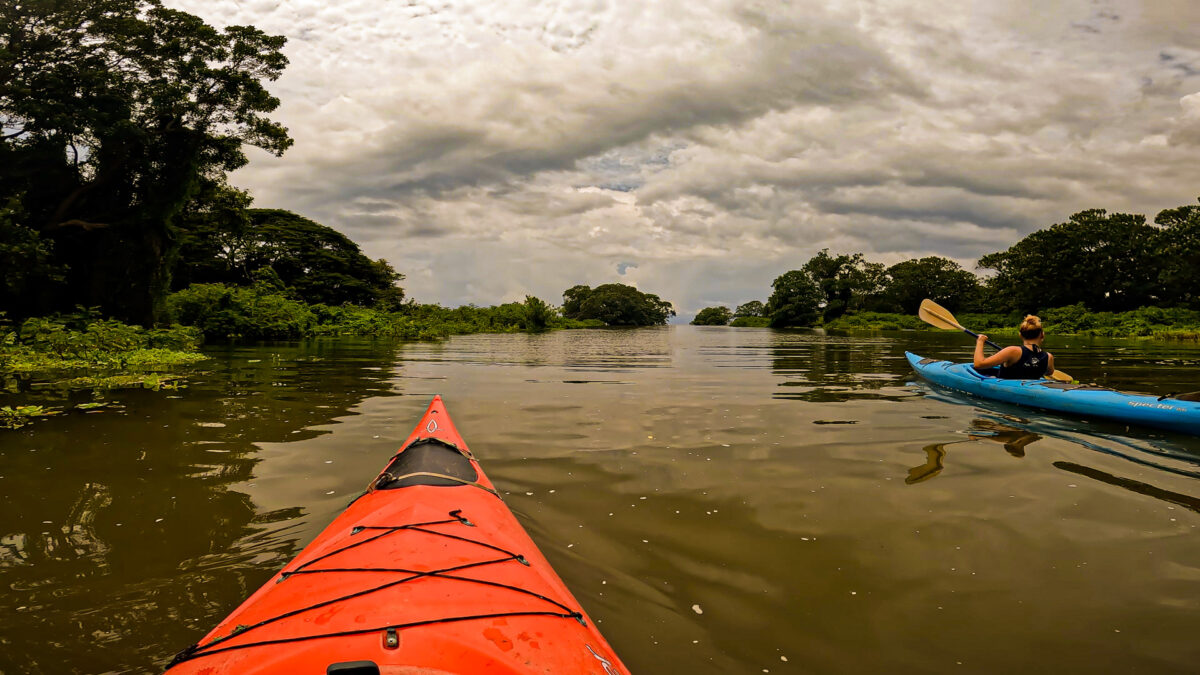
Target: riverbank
(1154, 323)
(79, 352)
(261, 312)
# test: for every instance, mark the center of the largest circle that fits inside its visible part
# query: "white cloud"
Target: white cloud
(490, 149)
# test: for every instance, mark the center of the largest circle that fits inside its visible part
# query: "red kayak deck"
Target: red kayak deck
(428, 572)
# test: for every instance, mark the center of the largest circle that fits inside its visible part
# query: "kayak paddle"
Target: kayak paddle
(936, 315)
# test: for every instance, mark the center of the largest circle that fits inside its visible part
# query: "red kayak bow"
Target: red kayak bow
(427, 572)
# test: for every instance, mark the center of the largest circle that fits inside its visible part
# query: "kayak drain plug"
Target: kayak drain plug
(391, 639)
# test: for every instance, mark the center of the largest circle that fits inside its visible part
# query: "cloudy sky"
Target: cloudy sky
(698, 149)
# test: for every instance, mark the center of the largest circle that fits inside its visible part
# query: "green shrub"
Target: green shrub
(256, 312)
(751, 322)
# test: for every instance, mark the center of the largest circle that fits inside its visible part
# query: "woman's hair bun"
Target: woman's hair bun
(1031, 322)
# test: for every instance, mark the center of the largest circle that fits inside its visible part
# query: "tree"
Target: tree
(318, 263)
(713, 316)
(847, 281)
(538, 314)
(216, 239)
(27, 274)
(752, 308)
(224, 242)
(1107, 262)
(796, 301)
(939, 279)
(616, 305)
(1178, 246)
(113, 113)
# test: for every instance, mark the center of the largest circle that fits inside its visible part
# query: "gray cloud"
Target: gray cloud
(530, 146)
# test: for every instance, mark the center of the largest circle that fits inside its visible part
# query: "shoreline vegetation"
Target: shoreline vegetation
(114, 197)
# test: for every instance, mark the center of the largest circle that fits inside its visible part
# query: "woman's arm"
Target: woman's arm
(1005, 356)
(1050, 360)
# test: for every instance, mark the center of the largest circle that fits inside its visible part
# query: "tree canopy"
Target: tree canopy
(796, 300)
(1109, 262)
(846, 281)
(752, 308)
(939, 279)
(616, 305)
(713, 316)
(112, 112)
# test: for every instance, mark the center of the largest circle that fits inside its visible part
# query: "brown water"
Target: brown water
(720, 500)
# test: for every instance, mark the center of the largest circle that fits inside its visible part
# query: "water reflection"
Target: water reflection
(753, 474)
(1186, 501)
(1014, 441)
(825, 369)
(113, 521)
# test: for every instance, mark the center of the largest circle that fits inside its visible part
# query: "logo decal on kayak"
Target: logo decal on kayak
(608, 666)
(432, 426)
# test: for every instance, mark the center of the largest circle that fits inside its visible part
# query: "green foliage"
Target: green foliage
(878, 321)
(223, 242)
(15, 417)
(1106, 262)
(27, 274)
(616, 305)
(266, 311)
(114, 110)
(1178, 255)
(713, 316)
(796, 300)
(753, 308)
(81, 341)
(751, 322)
(1146, 322)
(538, 314)
(939, 279)
(846, 281)
(260, 312)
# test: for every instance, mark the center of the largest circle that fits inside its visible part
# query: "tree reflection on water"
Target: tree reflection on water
(109, 526)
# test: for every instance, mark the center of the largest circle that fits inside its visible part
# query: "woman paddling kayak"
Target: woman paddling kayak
(1027, 362)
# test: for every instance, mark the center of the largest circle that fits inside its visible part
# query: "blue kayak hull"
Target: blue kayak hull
(1073, 399)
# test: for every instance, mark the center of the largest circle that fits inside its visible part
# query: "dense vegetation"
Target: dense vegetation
(114, 113)
(713, 316)
(1130, 277)
(615, 305)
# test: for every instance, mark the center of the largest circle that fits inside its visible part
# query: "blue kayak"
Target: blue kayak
(1087, 400)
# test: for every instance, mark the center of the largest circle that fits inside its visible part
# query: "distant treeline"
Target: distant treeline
(1096, 261)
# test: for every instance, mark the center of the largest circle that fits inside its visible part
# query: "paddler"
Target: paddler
(1027, 362)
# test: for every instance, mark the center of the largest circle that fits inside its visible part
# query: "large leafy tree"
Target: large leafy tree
(847, 281)
(752, 308)
(1178, 248)
(616, 305)
(1106, 261)
(796, 300)
(112, 113)
(939, 279)
(224, 242)
(713, 316)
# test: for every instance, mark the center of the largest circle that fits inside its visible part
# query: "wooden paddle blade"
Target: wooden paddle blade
(936, 315)
(1061, 376)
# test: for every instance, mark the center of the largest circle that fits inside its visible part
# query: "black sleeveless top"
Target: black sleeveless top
(1032, 365)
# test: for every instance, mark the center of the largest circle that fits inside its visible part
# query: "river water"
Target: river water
(719, 500)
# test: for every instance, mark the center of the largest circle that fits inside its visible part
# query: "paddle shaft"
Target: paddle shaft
(973, 334)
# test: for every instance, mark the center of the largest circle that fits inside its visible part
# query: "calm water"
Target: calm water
(720, 500)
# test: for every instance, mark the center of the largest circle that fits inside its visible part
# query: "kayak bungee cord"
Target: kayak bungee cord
(345, 603)
(198, 651)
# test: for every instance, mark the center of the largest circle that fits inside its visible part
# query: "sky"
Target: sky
(698, 149)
